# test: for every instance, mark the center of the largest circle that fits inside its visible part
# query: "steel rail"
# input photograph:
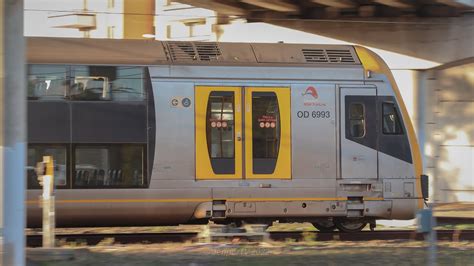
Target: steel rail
(151, 238)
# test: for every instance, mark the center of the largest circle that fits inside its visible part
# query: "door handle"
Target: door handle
(239, 137)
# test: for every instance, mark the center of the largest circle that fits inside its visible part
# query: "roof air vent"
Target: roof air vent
(181, 51)
(208, 51)
(315, 56)
(340, 56)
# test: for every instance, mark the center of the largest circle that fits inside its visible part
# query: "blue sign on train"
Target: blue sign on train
(186, 102)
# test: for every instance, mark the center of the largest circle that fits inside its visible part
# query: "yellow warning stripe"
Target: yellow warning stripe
(283, 199)
(124, 200)
(194, 200)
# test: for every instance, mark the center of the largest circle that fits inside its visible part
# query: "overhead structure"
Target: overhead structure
(337, 3)
(402, 4)
(276, 5)
(222, 7)
(350, 9)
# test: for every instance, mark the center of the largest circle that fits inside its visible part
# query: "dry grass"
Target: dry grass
(272, 253)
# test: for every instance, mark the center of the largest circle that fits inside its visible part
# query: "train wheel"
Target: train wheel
(350, 226)
(325, 226)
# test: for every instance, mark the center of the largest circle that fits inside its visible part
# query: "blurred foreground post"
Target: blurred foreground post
(426, 225)
(12, 131)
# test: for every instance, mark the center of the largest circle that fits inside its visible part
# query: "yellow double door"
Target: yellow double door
(242, 133)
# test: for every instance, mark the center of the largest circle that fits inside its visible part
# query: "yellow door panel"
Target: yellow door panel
(218, 120)
(267, 133)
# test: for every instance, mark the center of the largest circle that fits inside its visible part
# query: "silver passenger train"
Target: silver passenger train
(164, 133)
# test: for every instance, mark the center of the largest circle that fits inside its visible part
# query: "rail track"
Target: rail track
(135, 238)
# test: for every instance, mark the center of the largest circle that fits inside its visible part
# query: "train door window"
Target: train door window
(47, 82)
(220, 131)
(109, 166)
(391, 121)
(357, 120)
(265, 132)
(35, 155)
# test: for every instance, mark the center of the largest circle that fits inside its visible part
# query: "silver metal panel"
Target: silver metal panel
(247, 184)
(97, 51)
(391, 167)
(404, 209)
(293, 53)
(274, 193)
(338, 133)
(313, 123)
(93, 207)
(357, 161)
(286, 209)
(395, 187)
(282, 53)
(174, 150)
(368, 188)
(236, 53)
(286, 73)
(159, 71)
(382, 209)
(152, 52)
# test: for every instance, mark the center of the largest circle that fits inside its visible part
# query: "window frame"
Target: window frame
(209, 114)
(67, 164)
(363, 120)
(398, 119)
(67, 85)
(98, 145)
(70, 74)
(277, 128)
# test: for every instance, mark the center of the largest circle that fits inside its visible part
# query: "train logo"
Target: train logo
(311, 97)
(311, 91)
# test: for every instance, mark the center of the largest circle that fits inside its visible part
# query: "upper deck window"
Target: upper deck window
(86, 83)
(95, 83)
(47, 82)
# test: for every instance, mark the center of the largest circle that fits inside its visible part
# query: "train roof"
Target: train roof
(152, 52)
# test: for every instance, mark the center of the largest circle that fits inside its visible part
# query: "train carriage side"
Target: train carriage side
(274, 136)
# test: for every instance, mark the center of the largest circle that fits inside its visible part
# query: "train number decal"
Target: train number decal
(313, 114)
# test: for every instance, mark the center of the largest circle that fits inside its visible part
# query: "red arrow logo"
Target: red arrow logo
(311, 91)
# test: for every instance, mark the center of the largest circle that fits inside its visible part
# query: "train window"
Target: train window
(391, 121)
(265, 132)
(220, 125)
(128, 84)
(47, 82)
(109, 166)
(35, 155)
(220, 131)
(96, 83)
(357, 120)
